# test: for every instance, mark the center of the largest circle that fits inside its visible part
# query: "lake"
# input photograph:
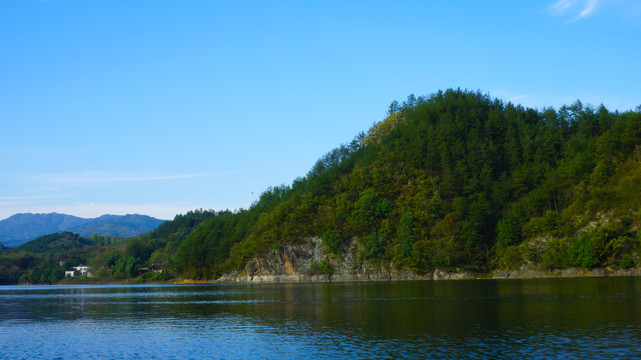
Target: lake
(511, 319)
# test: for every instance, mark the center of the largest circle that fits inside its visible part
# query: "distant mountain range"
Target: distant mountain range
(21, 228)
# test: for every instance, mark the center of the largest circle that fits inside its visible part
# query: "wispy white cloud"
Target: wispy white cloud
(41, 189)
(14, 198)
(589, 8)
(81, 194)
(576, 9)
(89, 178)
(8, 203)
(561, 6)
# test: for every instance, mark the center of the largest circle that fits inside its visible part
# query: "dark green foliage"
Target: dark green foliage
(583, 252)
(406, 234)
(509, 230)
(332, 240)
(125, 267)
(13, 266)
(510, 258)
(205, 250)
(139, 249)
(556, 254)
(374, 246)
(55, 242)
(48, 272)
(321, 268)
(368, 210)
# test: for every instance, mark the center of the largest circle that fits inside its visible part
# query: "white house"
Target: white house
(81, 270)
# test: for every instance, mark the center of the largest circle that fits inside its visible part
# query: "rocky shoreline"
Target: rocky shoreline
(293, 264)
(574, 272)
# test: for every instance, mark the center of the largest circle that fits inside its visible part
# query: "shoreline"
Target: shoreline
(437, 275)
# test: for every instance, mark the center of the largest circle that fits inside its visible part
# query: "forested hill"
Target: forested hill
(456, 180)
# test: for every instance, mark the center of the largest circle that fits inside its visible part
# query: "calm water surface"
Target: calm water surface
(553, 318)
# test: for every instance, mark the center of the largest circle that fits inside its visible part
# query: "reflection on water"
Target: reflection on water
(553, 318)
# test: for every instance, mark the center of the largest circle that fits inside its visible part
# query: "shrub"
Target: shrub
(581, 252)
(556, 255)
(626, 261)
(405, 233)
(161, 276)
(333, 241)
(321, 268)
(510, 258)
(374, 247)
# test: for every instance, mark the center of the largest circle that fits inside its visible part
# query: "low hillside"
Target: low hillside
(112, 259)
(44, 259)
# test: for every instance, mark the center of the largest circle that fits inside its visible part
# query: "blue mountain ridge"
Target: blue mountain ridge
(21, 228)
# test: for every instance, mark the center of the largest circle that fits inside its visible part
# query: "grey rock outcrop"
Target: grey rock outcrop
(292, 263)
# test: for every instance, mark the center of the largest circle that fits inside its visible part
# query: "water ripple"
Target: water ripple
(475, 320)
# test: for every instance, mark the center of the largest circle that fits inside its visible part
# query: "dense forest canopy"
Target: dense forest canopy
(456, 180)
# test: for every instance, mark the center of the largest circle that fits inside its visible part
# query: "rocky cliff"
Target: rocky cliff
(296, 263)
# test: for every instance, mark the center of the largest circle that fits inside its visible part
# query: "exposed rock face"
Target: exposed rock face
(292, 263)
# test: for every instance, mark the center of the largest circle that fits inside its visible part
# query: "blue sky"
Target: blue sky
(160, 107)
